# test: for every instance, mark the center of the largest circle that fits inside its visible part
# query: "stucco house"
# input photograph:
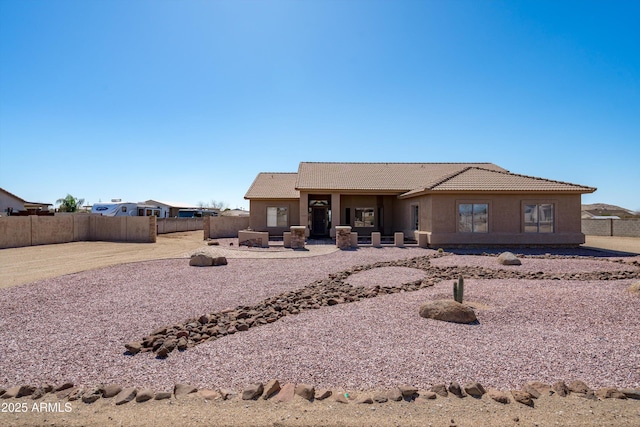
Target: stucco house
(438, 204)
(12, 204)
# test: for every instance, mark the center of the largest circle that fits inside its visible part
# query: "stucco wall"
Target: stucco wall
(611, 227)
(505, 220)
(402, 215)
(39, 230)
(46, 230)
(8, 201)
(81, 227)
(15, 231)
(352, 202)
(258, 215)
(173, 225)
(216, 227)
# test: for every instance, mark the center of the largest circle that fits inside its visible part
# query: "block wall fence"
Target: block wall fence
(612, 227)
(219, 227)
(20, 231)
(174, 225)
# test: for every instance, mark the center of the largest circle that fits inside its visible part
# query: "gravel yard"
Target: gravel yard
(74, 327)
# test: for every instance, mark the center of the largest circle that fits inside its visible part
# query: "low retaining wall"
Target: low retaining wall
(34, 230)
(629, 227)
(217, 227)
(174, 225)
(253, 238)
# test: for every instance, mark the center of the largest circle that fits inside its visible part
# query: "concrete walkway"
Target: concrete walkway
(229, 248)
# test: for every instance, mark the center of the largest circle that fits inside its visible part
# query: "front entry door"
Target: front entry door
(319, 222)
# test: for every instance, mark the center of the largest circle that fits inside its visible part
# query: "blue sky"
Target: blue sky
(188, 100)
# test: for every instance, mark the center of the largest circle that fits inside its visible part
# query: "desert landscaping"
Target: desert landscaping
(134, 335)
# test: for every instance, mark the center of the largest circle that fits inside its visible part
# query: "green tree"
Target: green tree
(69, 204)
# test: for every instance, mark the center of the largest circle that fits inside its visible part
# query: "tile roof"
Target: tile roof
(400, 177)
(481, 179)
(172, 204)
(274, 185)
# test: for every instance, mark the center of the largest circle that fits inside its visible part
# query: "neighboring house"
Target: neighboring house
(234, 212)
(601, 217)
(602, 210)
(12, 204)
(170, 209)
(446, 203)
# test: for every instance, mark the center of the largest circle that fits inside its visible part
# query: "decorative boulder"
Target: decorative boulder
(635, 288)
(507, 258)
(204, 260)
(448, 311)
(201, 260)
(220, 261)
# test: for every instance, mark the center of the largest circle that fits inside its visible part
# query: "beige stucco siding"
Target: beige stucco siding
(258, 218)
(506, 225)
(352, 202)
(402, 216)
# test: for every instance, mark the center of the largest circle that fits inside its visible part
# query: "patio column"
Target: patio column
(343, 237)
(304, 210)
(335, 213)
(297, 236)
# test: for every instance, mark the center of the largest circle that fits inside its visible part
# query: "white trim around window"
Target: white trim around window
(277, 216)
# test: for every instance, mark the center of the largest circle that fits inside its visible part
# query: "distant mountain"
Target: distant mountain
(603, 209)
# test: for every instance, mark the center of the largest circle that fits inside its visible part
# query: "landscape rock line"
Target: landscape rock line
(579, 322)
(526, 395)
(330, 291)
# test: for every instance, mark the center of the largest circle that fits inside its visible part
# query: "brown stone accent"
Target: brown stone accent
(298, 237)
(343, 237)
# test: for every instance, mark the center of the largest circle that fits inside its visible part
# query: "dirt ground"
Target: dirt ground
(28, 264)
(23, 265)
(194, 410)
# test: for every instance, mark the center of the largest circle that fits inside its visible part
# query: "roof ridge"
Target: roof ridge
(400, 163)
(533, 177)
(451, 176)
(11, 194)
(277, 173)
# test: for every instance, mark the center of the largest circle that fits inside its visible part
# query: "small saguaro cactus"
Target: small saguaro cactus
(458, 289)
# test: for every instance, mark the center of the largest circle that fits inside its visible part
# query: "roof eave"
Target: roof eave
(423, 192)
(271, 198)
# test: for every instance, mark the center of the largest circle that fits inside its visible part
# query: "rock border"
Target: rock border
(272, 391)
(332, 290)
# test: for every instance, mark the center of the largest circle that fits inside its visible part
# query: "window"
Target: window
(364, 217)
(473, 217)
(538, 218)
(277, 217)
(415, 217)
